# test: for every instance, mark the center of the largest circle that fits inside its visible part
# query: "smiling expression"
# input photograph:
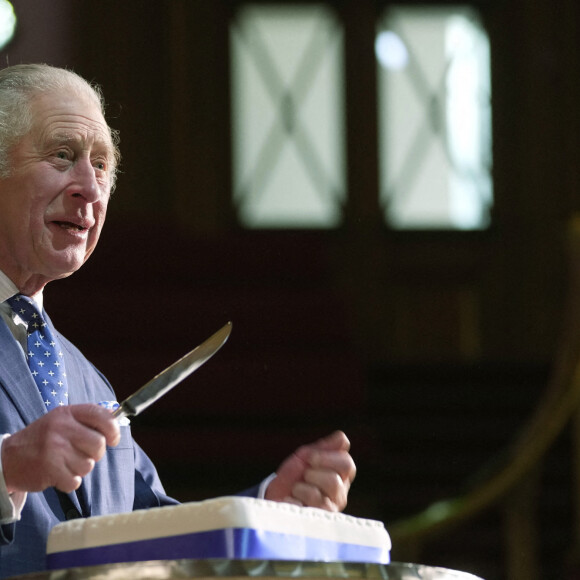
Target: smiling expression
(53, 203)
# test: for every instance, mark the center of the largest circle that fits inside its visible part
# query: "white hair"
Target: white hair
(19, 84)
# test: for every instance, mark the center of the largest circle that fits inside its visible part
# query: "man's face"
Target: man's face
(53, 204)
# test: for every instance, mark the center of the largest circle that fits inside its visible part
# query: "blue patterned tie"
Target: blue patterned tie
(44, 356)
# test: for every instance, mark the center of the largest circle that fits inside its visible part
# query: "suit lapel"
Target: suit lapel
(19, 386)
(78, 393)
(17, 380)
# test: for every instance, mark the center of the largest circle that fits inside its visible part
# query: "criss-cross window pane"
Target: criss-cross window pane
(435, 118)
(287, 116)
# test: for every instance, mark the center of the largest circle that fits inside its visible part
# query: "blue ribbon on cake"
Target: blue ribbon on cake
(230, 543)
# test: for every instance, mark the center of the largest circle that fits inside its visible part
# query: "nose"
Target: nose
(84, 184)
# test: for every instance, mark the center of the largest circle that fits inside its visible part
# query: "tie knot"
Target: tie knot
(26, 308)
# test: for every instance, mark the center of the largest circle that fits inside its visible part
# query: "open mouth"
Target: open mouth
(70, 226)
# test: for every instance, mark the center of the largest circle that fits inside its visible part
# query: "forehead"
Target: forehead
(74, 117)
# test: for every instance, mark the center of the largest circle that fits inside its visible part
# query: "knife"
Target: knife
(172, 375)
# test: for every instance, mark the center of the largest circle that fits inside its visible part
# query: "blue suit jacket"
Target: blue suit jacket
(125, 479)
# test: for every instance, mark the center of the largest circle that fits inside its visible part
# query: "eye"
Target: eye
(63, 154)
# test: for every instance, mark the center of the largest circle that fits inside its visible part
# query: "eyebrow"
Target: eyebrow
(71, 137)
(66, 136)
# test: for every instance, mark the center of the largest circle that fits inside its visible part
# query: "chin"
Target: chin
(59, 269)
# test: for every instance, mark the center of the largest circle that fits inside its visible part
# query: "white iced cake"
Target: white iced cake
(227, 527)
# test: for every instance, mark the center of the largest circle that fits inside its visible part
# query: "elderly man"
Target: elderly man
(62, 455)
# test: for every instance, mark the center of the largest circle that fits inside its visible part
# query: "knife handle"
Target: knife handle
(119, 412)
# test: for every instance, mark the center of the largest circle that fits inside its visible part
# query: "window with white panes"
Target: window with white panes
(434, 118)
(288, 116)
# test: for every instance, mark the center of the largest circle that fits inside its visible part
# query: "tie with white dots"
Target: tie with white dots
(44, 355)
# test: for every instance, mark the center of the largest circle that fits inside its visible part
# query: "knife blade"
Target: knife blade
(172, 375)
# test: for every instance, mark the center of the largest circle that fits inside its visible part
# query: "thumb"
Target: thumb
(293, 467)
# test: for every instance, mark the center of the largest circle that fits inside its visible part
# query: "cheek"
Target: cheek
(95, 233)
(100, 213)
(35, 218)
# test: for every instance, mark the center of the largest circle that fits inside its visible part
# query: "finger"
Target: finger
(293, 501)
(311, 496)
(71, 438)
(79, 465)
(336, 441)
(74, 466)
(329, 483)
(65, 476)
(337, 461)
(68, 483)
(99, 419)
(88, 444)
